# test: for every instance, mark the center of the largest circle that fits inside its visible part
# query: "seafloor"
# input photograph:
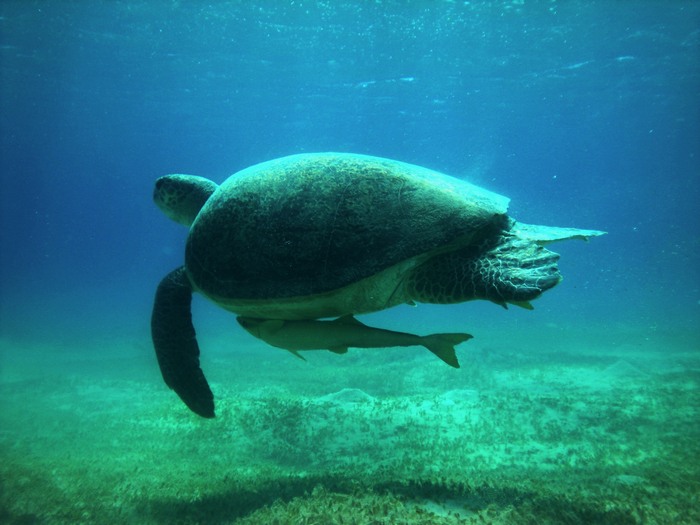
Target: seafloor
(560, 428)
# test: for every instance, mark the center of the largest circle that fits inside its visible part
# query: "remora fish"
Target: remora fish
(345, 332)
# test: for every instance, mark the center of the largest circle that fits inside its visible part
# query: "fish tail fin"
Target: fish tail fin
(443, 346)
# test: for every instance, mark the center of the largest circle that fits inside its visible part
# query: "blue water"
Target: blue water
(585, 113)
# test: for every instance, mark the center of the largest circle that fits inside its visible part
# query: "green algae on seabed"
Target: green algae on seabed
(366, 438)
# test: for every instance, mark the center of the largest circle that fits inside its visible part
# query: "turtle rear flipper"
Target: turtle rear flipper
(505, 269)
(175, 342)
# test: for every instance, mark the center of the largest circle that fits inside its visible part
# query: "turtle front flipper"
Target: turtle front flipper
(175, 342)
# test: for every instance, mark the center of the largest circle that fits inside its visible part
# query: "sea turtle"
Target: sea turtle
(323, 235)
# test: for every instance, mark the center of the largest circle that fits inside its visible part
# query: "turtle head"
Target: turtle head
(181, 197)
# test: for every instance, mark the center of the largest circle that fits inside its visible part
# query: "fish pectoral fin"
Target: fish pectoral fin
(348, 320)
(295, 353)
(273, 325)
(338, 349)
(443, 346)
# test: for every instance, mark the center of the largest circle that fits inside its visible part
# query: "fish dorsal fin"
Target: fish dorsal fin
(348, 319)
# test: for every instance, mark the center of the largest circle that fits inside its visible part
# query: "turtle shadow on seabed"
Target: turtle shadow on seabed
(339, 499)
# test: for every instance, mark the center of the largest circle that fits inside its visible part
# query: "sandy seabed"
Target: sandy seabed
(566, 430)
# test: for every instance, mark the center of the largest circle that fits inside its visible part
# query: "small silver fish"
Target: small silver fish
(344, 332)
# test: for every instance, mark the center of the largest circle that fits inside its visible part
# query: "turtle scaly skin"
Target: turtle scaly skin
(503, 269)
